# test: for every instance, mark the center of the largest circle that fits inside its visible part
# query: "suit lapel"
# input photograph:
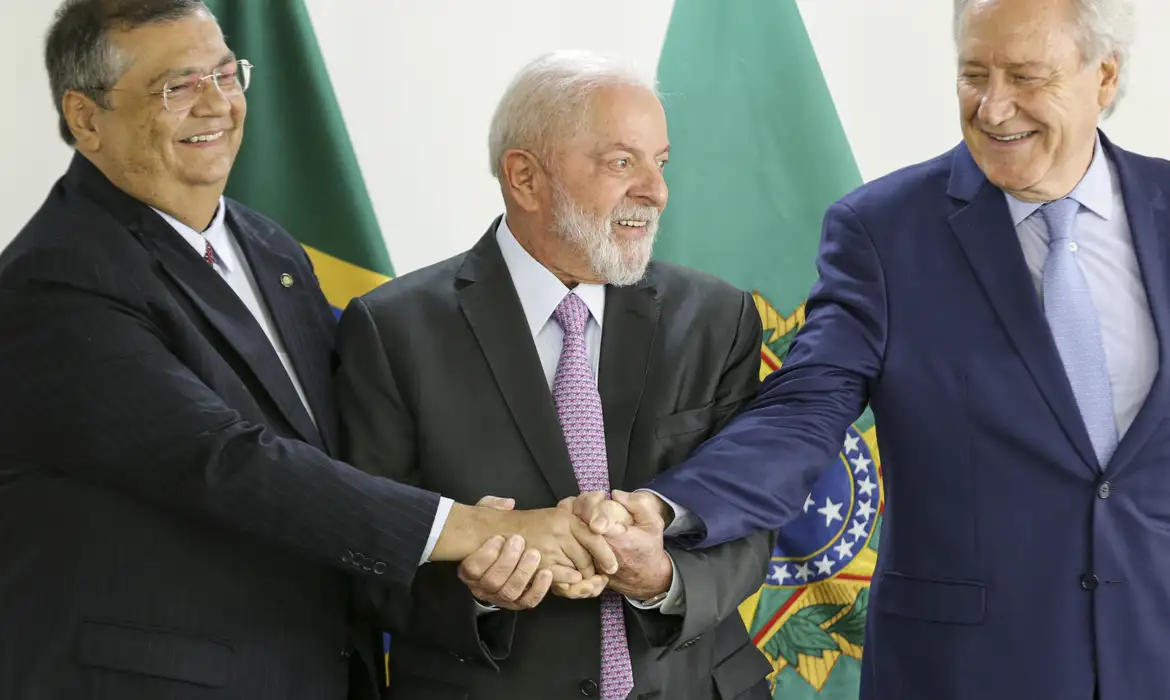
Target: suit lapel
(493, 311)
(627, 338)
(218, 303)
(1149, 225)
(985, 232)
(269, 268)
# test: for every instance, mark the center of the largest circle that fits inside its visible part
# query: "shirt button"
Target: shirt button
(1072, 246)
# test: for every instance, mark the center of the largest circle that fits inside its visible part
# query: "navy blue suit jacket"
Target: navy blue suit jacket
(1011, 565)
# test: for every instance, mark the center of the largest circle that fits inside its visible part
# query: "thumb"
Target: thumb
(643, 507)
(497, 502)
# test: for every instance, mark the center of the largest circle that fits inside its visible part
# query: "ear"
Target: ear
(81, 115)
(1110, 73)
(522, 175)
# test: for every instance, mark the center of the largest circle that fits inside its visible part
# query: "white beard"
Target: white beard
(612, 259)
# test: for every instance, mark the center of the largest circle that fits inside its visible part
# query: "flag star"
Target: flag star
(865, 486)
(808, 502)
(861, 464)
(844, 548)
(780, 573)
(831, 511)
(858, 530)
(824, 565)
(850, 444)
(803, 573)
(865, 510)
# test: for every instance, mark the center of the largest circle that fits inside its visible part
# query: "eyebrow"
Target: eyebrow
(620, 146)
(189, 70)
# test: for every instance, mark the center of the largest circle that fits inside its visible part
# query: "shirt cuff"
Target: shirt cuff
(674, 603)
(437, 528)
(684, 522)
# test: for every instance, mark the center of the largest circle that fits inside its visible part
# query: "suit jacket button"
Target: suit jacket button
(345, 654)
(1104, 489)
(588, 688)
(1089, 581)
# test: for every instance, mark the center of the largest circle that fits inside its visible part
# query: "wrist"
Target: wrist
(658, 582)
(465, 531)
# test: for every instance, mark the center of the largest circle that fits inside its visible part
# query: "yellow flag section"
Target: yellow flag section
(342, 281)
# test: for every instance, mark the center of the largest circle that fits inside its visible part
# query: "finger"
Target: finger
(497, 502)
(610, 518)
(499, 572)
(521, 576)
(564, 574)
(585, 506)
(537, 591)
(567, 503)
(589, 588)
(572, 547)
(477, 563)
(598, 551)
(644, 508)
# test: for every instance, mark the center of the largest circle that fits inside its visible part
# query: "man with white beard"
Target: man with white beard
(551, 359)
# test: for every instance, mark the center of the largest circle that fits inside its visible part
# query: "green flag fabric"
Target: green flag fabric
(757, 156)
(296, 164)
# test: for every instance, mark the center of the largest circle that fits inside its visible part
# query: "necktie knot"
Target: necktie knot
(572, 314)
(1059, 215)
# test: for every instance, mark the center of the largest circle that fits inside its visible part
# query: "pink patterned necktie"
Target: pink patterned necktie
(208, 252)
(579, 409)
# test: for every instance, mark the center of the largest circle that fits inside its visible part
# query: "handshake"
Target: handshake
(588, 543)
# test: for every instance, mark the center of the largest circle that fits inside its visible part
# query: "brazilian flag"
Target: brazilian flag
(757, 156)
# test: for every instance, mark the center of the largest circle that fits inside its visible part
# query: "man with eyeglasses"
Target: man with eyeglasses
(171, 522)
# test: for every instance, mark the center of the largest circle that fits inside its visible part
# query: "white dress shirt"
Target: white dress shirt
(1107, 258)
(540, 292)
(233, 267)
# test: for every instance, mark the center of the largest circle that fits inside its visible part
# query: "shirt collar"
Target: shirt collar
(1094, 192)
(539, 289)
(216, 234)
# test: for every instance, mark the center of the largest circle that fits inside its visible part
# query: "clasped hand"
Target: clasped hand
(586, 544)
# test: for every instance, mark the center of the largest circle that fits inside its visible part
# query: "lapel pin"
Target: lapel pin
(286, 280)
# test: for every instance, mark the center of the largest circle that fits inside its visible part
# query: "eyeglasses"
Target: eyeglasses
(180, 94)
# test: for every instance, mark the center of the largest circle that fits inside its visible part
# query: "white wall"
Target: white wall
(418, 89)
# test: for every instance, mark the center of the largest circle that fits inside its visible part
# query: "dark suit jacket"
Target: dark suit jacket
(170, 523)
(1011, 565)
(441, 385)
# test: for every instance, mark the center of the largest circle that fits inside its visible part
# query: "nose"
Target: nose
(651, 188)
(210, 102)
(998, 103)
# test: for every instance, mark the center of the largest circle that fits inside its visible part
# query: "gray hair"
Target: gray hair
(1105, 28)
(81, 57)
(549, 101)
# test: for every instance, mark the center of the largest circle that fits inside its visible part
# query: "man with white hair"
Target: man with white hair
(553, 358)
(1005, 310)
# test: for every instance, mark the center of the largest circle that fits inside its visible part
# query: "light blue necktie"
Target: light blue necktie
(1076, 329)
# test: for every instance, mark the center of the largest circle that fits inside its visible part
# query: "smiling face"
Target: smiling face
(609, 191)
(160, 155)
(1029, 100)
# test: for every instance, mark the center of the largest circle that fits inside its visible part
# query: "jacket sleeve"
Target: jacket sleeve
(755, 474)
(93, 389)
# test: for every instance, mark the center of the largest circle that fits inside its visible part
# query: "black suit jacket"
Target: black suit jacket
(441, 385)
(171, 525)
